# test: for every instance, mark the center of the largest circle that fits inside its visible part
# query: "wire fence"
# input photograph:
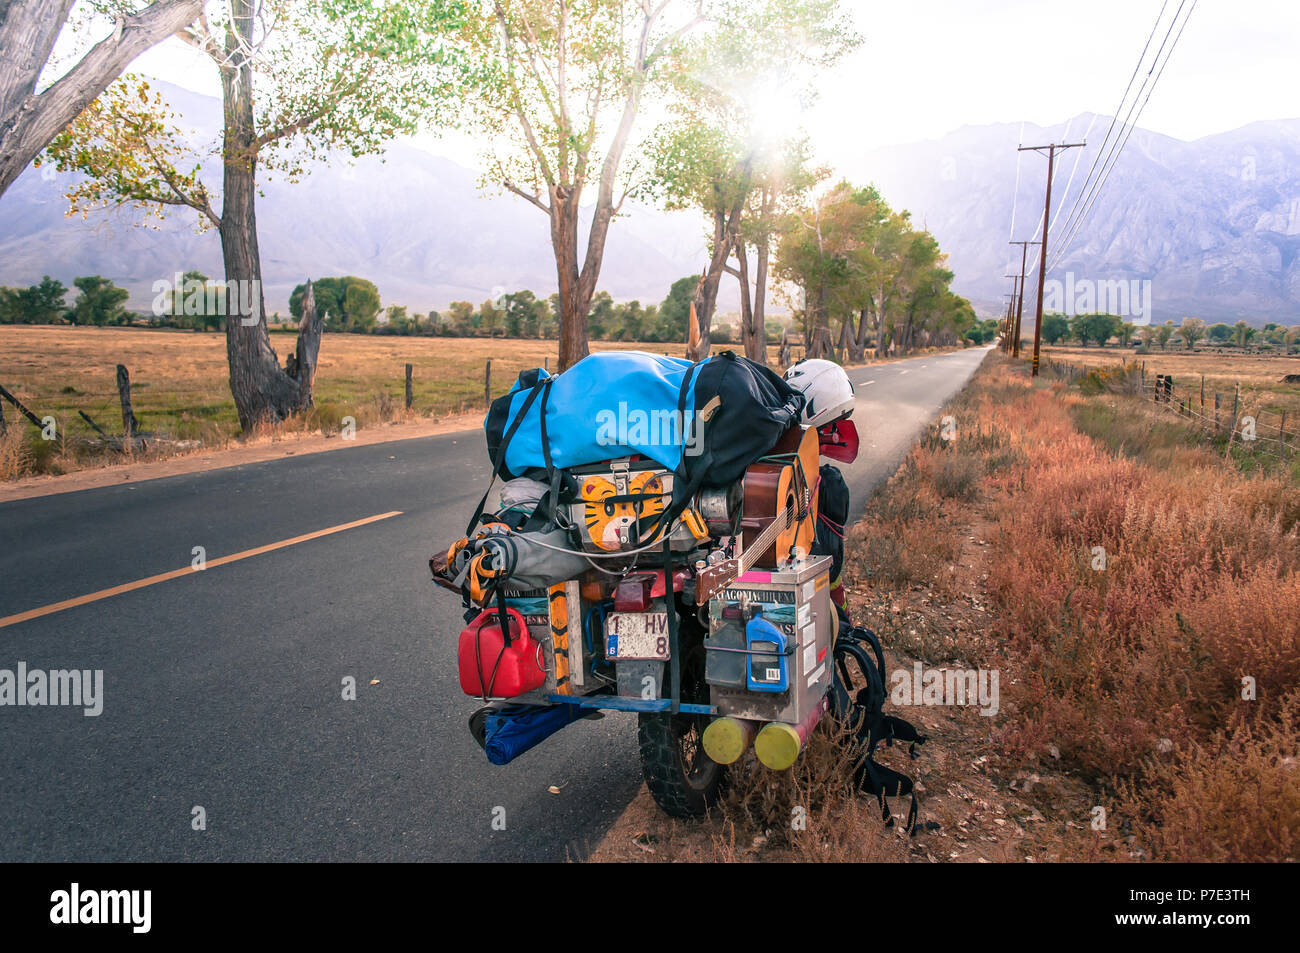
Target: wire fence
(1214, 415)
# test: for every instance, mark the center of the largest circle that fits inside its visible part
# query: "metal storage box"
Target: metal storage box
(796, 599)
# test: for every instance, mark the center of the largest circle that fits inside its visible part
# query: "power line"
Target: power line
(1064, 245)
(1118, 109)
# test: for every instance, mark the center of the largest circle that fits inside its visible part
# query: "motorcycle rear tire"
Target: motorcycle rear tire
(683, 780)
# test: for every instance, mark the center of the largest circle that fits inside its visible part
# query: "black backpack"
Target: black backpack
(863, 715)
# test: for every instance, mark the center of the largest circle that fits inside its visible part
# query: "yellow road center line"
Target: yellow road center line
(187, 571)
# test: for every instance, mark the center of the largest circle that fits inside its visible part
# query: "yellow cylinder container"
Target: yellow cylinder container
(777, 745)
(726, 739)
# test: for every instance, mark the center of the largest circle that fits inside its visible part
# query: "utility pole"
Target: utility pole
(1020, 299)
(1006, 322)
(1052, 149)
(1011, 310)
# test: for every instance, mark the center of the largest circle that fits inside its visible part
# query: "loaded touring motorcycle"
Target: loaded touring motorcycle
(656, 550)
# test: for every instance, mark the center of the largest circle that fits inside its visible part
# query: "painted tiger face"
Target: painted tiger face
(605, 518)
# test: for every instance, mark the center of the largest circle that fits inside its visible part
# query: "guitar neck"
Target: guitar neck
(766, 538)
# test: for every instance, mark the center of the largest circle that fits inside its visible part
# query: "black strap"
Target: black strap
(500, 460)
(674, 640)
(549, 504)
(885, 782)
(684, 493)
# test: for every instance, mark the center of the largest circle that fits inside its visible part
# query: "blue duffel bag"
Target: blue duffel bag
(705, 421)
(507, 732)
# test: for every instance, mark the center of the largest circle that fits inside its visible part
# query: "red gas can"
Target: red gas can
(494, 666)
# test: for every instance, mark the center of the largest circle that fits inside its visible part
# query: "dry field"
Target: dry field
(179, 383)
(1260, 376)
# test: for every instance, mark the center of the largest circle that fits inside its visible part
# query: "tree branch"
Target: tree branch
(29, 128)
(535, 200)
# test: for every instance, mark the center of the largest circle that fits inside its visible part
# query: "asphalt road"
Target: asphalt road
(223, 689)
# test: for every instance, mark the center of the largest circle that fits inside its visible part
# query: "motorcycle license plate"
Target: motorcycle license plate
(636, 635)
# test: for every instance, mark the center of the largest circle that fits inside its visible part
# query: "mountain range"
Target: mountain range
(1213, 224)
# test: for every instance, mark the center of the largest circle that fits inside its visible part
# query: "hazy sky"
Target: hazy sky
(929, 66)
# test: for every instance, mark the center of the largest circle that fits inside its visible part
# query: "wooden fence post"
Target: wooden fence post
(410, 397)
(21, 408)
(1281, 431)
(1217, 425)
(129, 424)
(487, 383)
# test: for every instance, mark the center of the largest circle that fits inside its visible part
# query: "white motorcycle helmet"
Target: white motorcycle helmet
(826, 389)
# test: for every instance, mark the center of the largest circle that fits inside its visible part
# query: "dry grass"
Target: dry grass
(1260, 375)
(1130, 674)
(1132, 669)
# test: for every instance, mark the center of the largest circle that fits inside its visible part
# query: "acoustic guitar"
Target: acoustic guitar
(779, 514)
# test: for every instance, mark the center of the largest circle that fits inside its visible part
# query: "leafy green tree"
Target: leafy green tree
(1055, 327)
(721, 153)
(100, 303)
(199, 303)
(524, 314)
(1193, 330)
(855, 258)
(360, 305)
(1243, 333)
(556, 92)
(632, 321)
(600, 323)
(675, 310)
(1164, 333)
(397, 321)
(38, 304)
(460, 317)
(491, 318)
(298, 78)
(348, 303)
(1219, 333)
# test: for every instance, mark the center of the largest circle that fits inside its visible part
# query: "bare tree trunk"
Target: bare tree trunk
(819, 340)
(906, 338)
(760, 301)
(28, 30)
(564, 240)
(706, 292)
(859, 346)
(746, 302)
(263, 392)
(725, 221)
(882, 306)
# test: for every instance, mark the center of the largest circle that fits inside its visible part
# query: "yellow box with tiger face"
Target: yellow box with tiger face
(619, 507)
